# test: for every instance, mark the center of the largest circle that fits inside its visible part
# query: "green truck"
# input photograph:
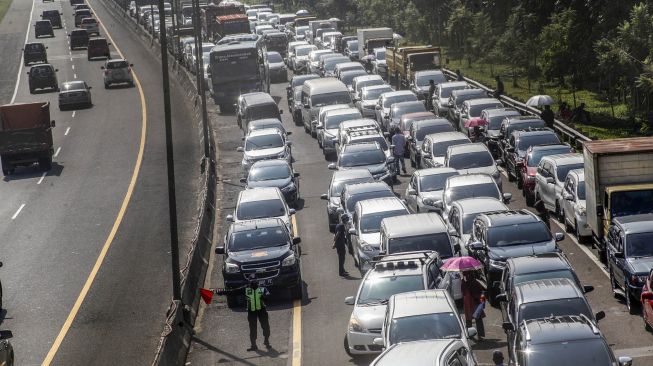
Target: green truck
(25, 136)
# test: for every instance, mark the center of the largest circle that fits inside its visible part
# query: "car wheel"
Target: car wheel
(568, 228)
(520, 183)
(560, 215)
(346, 345)
(577, 232)
(647, 326)
(632, 306)
(412, 163)
(530, 200)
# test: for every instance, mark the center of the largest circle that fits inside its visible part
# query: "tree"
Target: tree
(519, 42)
(459, 28)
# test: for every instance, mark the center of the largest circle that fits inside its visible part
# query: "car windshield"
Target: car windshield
(446, 92)
(423, 80)
(274, 57)
(398, 99)
(380, 55)
(562, 273)
(494, 122)
(303, 51)
(440, 148)
(361, 158)
(423, 327)
(320, 100)
(429, 129)
(518, 234)
(631, 203)
(434, 182)
(477, 159)
(512, 127)
(353, 46)
(260, 209)
(569, 353)
(563, 170)
(258, 239)
(374, 94)
(117, 65)
(371, 223)
(379, 289)
(353, 200)
(272, 172)
(348, 77)
(399, 111)
(338, 186)
(74, 85)
(557, 307)
(374, 82)
(527, 141)
(472, 191)
(333, 122)
(477, 109)
(460, 99)
(331, 63)
(639, 245)
(536, 155)
(301, 30)
(580, 191)
(438, 242)
(263, 142)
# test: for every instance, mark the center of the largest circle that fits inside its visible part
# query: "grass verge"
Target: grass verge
(4, 6)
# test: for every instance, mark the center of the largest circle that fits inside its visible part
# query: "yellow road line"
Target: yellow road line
(296, 318)
(116, 224)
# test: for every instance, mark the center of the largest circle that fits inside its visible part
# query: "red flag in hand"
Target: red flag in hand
(207, 295)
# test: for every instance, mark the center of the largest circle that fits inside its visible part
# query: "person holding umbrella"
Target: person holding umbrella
(548, 116)
(472, 288)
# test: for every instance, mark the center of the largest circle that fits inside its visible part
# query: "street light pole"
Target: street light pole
(172, 198)
(199, 71)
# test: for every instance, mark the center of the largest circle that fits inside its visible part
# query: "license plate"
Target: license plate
(267, 282)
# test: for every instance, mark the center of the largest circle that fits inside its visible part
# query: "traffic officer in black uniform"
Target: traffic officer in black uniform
(340, 245)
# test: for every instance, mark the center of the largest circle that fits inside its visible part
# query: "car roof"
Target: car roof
(325, 85)
(473, 102)
(502, 111)
(265, 122)
(469, 179)
(548, 147)
(459, 92)
(546, 290)
(268, 163)
(348, 174)
(634, 224)
(435, 121)
(579, 173)
(362, 146)
(565, 159)
(357, 123)
(367, 77)
(347, 64)
(452, 84)
(538, 263)
(333, 107)
(353, 189)
(467, 148)
(374, 87)
(384, 204)
(257, 98)
(413, 225)
(352, 72)
(434, 171)
(247, 225)
(420, 302)
(447, 136)
(396, 93)
(534, 132)
(560, 328)
(511, 217)
(418, 353)
(259, 194)
(522, 119)
(341, 111)
(480, 204)
(417, 115)
(264, 131)
(429, 72)
(406, 104)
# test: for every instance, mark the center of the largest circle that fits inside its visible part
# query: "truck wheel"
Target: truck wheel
(45, 164)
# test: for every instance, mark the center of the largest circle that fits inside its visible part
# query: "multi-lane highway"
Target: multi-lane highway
(314, 334)
(85, 246)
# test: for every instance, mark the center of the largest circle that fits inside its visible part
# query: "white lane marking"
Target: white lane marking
(42, 177)
(71, 59)
(585, 249)
(74, 114)
(73, 66)
(75, 76)
(57, 152)
(22, 60)
(67, 130)
(18, 211)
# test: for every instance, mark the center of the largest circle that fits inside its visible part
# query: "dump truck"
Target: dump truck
(371, 38)
(618, 182)
(25, 136)
(403, 62)
(227, 17)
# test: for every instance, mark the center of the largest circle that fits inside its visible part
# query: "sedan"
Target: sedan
(277, 67)
(274, 173)
(268, 143)
(74, 93)
(369, 155)
(427, 184)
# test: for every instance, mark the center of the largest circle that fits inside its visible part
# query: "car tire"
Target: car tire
(647, 326)
(577, 233)
(412, 163)
(511, 177)
(631, 303)
(346, 345)
(569, 228)
(613, 284)
(530, 200)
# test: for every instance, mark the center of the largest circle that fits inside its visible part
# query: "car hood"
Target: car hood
(370, 316)
(332, 132)
(373, 169)
(640, 266)
(263, 153)
(434, 195)
(259, 255)
(371, 238)
(503, 253)
(269, 183)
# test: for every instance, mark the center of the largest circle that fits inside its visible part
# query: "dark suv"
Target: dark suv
(98, 47)
(253, 106)
(42, 77)
(515, 123)
(78, 39)
(264, 251)
(43, 28)
(519, 143)
(497, 236)
(35, 53)
(562, 340)
(630, 256)
(54, 16)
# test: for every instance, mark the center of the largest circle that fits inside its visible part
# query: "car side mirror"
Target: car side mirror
(101, 67)
(477, 245)
(352, 231)
(377, 107)
(296, 175)
(390, 159)
(280, 111)
(288, 143)
(89, 88)
(219, 250)
(6, 334)
(471, 332)
(243, 180)
(499, 161)
(507, 197)
(230, 218)
(559, 236)
(501, 297)
(588, 288)
(340, 211)
(324, 196)
(508, 326)
(131, 65)
(625, 361)
(549, 180)
(296, 240)
(240, 149)
(52, 124)
(307, 106)
(332, 166)
(109, 44)
(378, 342)
(412, 192)
(350, 300)
(600, 315)
(292, 211)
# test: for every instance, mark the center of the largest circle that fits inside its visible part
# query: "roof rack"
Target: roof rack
(589, 321)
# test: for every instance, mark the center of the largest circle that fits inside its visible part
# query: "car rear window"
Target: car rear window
(518, 234)
(89, 21)
(49, 13)
(438, 242)
(97, 42)
(260, 209)
(79, 33)
(117, 65)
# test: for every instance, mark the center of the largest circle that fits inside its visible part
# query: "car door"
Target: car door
(455, 224)
(546, 186)
(510, 155)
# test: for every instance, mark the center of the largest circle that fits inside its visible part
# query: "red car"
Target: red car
(98, 47)
(647, 302)
(534, 154)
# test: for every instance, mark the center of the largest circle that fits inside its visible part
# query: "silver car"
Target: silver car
(397, 110)
(441, 96)
(262, 203)
(385, 102)
(463, 212)
(473, 109)
(300, 60)
(427, 184)
(327, 130)
(360, 82)
(549, 180)
(338, 182)
(469, 186)
(369, 97)
(267, 143)
(369, 155)
(117, 71)
(437, 352)
(435, 146)
(472, 158)
(574, 206)
(74, 93)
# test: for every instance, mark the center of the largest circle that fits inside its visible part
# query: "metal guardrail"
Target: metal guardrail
(568, 134)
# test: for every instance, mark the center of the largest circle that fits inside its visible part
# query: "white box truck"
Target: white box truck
(371, 38)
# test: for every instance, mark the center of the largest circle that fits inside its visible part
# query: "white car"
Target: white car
(427, 184)
(550, 177)
(266, 143)
(472, 158)
(262, 203)
(462, 214)
(435, 146)
(117, 71)
(574, 206)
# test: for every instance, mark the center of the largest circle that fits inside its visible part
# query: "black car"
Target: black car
(418, 131)
(515, 123)
(6, 349)
(253, 106)
(297, 80)
(517, 146)
(42, 76)
(296, 106)
(35, 52)
(562, 340)
(497, 236)
(78, 38)
(630, 256)
(54, 16)
(274, 173)
(261, 250)
(43, 28)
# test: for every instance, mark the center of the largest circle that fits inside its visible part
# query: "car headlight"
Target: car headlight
(354, 325)
(289, 260)
(530, 177)
(497, 264)
(231, 267)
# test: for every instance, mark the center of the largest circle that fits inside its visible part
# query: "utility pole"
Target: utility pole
(172, 198)
(199, 71)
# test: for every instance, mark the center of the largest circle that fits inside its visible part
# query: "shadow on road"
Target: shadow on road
(229, 357)
(33, 171)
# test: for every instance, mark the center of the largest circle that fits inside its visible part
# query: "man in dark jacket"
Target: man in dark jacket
(548, 116)
(340, 245)
(429, 98)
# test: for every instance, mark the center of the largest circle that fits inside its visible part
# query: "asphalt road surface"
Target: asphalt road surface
(318, 337)
(86, 276)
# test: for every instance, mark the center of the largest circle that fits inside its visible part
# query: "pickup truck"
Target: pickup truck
(618, 182)
(25, 136)
(403, 62)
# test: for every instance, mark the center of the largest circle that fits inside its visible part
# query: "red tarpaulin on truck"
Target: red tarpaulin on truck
(20, 116)
(229, 18)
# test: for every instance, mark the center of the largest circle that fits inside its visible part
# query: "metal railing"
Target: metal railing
(567, 133)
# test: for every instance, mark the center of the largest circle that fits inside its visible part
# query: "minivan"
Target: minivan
(318, 93)
(54, 16)
(253, 106)
(35, 53)
(409, 233)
